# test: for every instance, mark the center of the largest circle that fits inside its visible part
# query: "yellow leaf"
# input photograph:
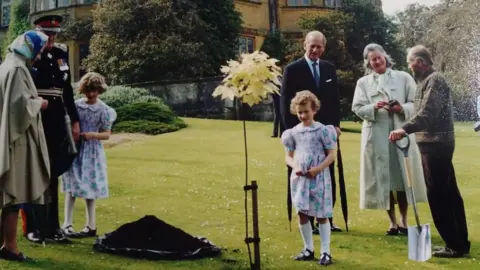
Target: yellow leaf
(251, 80)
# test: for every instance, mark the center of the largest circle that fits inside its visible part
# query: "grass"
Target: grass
(193, 179)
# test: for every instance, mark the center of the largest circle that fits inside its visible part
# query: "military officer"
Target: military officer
(51, 75)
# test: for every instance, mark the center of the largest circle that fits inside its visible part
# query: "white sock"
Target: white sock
(90, 213)
(324, 230)
(307, 235)
(68, 209)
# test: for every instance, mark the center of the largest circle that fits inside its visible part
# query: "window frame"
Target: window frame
(4, 4)
(298, 3)
(334, 3)
(246, 38)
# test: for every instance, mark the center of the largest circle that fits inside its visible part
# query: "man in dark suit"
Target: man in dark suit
(320, 77)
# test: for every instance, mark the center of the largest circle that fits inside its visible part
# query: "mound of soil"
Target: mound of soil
(152, 238)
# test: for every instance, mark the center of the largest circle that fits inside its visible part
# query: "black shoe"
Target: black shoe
(402, 231)
(34, 237)
(335, 228)
(448, 253)
(305, 255)
(59, 237)
(392, 231)
(315, 231)
(68, 231)
(86, 232)
(325, 260)
(10, 256)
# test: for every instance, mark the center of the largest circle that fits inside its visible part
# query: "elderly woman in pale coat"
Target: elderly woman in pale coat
(24, 163)
(382, 170)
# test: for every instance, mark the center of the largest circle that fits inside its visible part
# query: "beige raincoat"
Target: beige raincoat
(382, 164)
(24, 163)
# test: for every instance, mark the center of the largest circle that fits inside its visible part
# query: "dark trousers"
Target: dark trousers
(276, 125)
(44, 218)
(444, 198)
(277, 121)
(334, 190)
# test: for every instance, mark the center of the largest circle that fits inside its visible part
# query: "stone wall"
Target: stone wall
(194, 99)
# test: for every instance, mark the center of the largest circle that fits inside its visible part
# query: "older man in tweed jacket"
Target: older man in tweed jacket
(434, 131)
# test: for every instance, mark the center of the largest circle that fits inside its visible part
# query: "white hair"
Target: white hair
(372, 47)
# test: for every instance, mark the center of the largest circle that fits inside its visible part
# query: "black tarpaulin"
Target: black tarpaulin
(152, 238)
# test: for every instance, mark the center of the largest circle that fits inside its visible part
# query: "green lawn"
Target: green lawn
(194, 178)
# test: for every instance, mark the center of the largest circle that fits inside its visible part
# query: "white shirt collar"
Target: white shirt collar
(309, 61)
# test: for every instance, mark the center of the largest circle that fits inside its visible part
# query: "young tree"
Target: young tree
(19, 23)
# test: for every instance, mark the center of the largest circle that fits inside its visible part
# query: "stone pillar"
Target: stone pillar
(73, 59)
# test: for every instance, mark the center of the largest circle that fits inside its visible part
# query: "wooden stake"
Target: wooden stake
(256, 232)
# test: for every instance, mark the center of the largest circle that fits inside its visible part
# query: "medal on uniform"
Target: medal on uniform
(63, 66)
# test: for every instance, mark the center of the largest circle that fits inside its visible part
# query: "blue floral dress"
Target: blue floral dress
(87, 177)
(312, 197)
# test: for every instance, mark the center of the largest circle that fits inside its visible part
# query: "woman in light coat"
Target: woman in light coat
(382, 170)
(24, 163)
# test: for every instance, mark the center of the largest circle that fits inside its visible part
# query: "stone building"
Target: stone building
(259, 17)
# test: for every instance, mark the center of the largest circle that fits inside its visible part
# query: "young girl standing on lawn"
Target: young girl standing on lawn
(311, 148)
(87, 178)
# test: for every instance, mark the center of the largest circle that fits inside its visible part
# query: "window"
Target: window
(63, 3)
(52, 4)
(246, 45)
(86, 1)
(6, 12)
(333, 3)
(299, 3)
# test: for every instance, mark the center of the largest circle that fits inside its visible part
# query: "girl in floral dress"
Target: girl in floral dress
(87, 178)
(311, 148)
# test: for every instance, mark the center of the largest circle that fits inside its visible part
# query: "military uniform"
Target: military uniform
(51, 75)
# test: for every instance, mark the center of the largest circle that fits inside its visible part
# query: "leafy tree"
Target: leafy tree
(368, 25)
(333, 26)
(76, 29)
(450, 31)
(219, 39)
(19, 23)
(277, 46)
(414, 23)
(148, 40)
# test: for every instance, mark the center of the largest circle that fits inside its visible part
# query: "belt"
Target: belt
(54, 92)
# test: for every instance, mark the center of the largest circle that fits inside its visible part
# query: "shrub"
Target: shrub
(117, 96)
(148, 118)
(147, 127)
(145, 111)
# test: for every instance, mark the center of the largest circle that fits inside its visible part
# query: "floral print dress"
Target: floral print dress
(87, 177)
(312, 197)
